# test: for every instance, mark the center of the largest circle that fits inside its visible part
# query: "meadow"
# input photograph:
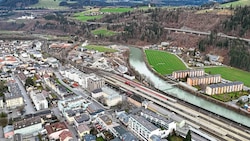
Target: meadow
(100, 48)
(49, 4)
(236, 3)
(230, 73)
(116, 9)
(103, 32)
(164, 62)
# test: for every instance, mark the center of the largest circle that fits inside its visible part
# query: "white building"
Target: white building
(144, 128)
(39, 100)
(78, 76)
(14, 98)
(1, 102)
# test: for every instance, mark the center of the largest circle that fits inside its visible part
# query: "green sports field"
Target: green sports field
(237, 3)
(103, 32)
(231, 74)
(164, 62)
(100, 48)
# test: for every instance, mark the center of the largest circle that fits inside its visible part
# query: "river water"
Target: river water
(136, 61)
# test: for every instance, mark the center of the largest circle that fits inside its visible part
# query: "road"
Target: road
(205, 33)
(29, 107)
(79, 91)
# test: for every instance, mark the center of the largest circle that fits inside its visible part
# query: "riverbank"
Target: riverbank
(203, 96)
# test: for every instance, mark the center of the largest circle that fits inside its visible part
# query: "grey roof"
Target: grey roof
(27, 122)
(15, 91)
(149, 126)
(116, 139)
(93, 109)
(154, 115)
(89, 137)
(155, 138)
(120, 130)
(97, 91)
(129, 137)
(190, 70)
(206, 76)
(82, 118)
(225, 84)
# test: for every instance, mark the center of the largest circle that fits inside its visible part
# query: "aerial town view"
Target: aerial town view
(124, 70)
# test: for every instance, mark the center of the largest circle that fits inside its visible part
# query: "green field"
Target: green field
(103, 32)
(231, 74)
(237, 3)
(80, 16)
(100, 48)
(116, 9)
(163, 62)
(49, 4)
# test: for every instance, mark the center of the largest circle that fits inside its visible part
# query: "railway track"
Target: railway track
(210, 125)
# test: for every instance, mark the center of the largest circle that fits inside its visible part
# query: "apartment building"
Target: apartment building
(190, 73)
(224, 88)
(14, 98)
(95, 83)
(209, 79)
(143, 128)
(39, 100)
(28, 126)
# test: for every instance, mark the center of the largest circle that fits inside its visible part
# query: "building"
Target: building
(14, 98)
(55, 129)
(105, 122)
(66, 136)
(168, 124)
(81, 119)
(28, 126)
(77, 76)
(187, 73)
(89, 137)
(8, 131)
(224, 88)
(209, 79)
(95, 110)
(83, 130)
(110, 96)
(76, 102)
(144, 129)
(95, 83)
(39, 100)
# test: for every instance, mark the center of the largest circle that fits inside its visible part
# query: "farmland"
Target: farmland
(49, 4)
(103, 32)
(163, 62)
(100, 48)
(116, 10)
(84, 18)
(237, 3)
(231, 74)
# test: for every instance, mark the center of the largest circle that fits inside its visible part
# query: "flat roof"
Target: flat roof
(148, 125)
(15, 91)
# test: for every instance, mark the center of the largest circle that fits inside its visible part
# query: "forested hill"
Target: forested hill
(17, 3)
(239, 23)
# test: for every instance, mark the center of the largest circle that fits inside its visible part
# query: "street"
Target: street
(29, 108)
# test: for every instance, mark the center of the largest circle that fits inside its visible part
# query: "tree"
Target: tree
(188, 136)
(29, 82)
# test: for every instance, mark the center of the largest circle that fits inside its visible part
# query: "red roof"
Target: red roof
(64, 135)
(55, 127)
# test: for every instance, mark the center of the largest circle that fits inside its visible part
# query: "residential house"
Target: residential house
(66, 136)
(55, 129)
(82, 130)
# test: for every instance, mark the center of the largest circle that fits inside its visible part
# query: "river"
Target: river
(136, 61)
